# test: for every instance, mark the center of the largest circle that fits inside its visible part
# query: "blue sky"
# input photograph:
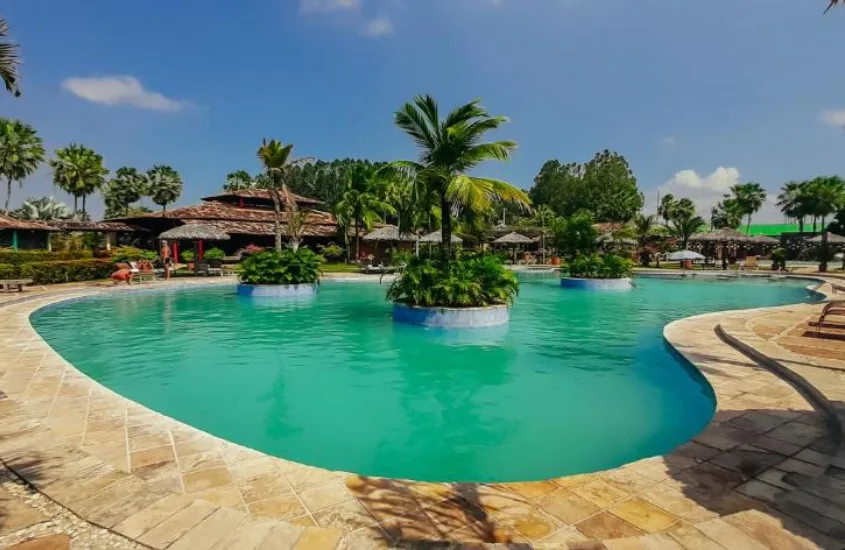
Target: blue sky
(698, 95)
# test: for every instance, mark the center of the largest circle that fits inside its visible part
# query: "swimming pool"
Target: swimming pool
(577, 382)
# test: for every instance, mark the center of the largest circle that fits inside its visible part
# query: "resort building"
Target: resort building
(247, 216)
(35, 234)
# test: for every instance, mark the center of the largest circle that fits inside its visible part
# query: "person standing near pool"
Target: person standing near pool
(166, 258)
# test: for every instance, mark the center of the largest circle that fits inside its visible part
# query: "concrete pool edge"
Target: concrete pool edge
(32, 382)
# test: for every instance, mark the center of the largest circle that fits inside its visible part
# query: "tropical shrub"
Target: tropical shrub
(468, 281)
(18, 257)
(45, 273)
(287, 267)
(595, 266)
(214, 254)
(188, 256)
(132, 254)
(8, 271)
(778, 259)
(330, 251)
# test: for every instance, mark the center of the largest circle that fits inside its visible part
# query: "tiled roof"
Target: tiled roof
(258, 194)
(216, 210)
(265, 228)
(74, 225)
(7, 222)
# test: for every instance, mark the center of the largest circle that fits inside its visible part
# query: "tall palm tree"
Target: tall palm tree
(277, 160)
(792, 203)
(543, 217)
(750, 197)
(685, 226)
(45, 208)
(78, 171)
(238, 181)
(9, 60)
(164, 184)
(21, 151)
(827, 196)
(449, 148)
(361, 204)
(666, 207)
(128, 186)
(727, 213)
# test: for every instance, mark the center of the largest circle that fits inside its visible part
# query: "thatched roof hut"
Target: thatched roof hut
(195, 232)
(390, 233)
(513, 239)
(765, 240)
(437, 238)
(721, 235)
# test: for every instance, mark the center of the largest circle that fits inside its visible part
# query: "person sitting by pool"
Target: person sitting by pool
(123, 273)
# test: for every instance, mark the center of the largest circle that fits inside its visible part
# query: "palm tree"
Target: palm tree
(644, 228)
(78, 171)
(792, 203)
(238, 181)
(277, 161)
(449, 148)
(685, 226)
(750, 197)
(9, 61)
(21, 151)
(543, 217)
(826, 196)
(360, 203)
(129, 185)
(832, 3)
(667, 207)
(165, 185)
(45, 208)
(727, 213)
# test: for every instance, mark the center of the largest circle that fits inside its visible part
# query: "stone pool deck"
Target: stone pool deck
(769, 471)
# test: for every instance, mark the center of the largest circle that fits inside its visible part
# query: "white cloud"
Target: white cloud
(706, 190)
(120, 90)
(326, 6)
(379, 26)
(835, 117)
(669, 141)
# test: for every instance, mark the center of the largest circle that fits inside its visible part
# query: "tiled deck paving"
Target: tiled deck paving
(167, 485)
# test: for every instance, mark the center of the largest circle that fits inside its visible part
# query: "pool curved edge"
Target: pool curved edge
(35, 362)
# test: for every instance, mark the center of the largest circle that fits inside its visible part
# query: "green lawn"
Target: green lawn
(340, 268)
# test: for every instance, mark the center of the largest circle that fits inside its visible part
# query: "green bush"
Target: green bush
(8, 271)
(595, 266)
(214, 254)
(778, 259)
(18, 257)
(132, 254)
(281, 268)
(468, 281)
(188, 256)
(330, 251)
(45, 273)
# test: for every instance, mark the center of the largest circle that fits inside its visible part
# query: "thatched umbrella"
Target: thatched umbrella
(765, 240)
(832, 238)
(437, 238)
(390, 233)
(196, 232)
(514, 240)
(722, 236)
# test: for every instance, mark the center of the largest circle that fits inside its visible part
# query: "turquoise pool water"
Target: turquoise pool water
(577, 382)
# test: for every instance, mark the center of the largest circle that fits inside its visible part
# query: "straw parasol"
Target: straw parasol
(195, 232)
(437, 238)
(683, 255)
(832, 238)
(390, 233)
(513, 239)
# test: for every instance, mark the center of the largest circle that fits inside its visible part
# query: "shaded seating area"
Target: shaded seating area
(198, 234)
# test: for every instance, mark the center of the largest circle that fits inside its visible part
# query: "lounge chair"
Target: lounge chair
(205, 269)
(8, 285)
(836, 309)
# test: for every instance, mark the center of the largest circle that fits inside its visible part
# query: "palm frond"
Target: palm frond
(9, 60)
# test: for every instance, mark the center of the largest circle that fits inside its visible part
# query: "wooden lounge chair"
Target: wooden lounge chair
(8, 285)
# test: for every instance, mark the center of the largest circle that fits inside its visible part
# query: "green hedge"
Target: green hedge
(20, 257)
(8, 271)
(71, 271)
